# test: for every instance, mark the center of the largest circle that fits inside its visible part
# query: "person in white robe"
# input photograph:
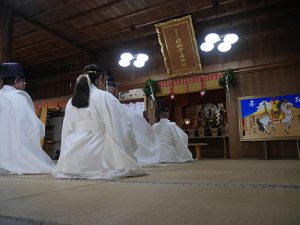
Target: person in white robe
(20, 128)
(97, 137)
(173, 140)
(148, 151)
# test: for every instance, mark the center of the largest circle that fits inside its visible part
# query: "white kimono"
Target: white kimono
(148, 151)
(20, 135)
(97, 141)
(173, 142)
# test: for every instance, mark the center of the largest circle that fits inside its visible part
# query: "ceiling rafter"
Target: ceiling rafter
(61, 56)
(158, 5)
(116, 18)
(151, 23)
(154, 22)
(78, 15)
(130, 14)
(150, 32)
(57, 6)
(51, 32)
(32, 44)
(136, 13)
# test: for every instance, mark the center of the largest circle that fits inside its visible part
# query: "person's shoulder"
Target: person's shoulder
(104, 94)
(69, 102)
(95, 92)
(19, 96)
(172, 124)
(24, 94)
(26, 98)
(110, 98)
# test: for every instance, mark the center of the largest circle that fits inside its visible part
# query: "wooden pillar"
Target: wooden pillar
(233, 124)
(6, 30)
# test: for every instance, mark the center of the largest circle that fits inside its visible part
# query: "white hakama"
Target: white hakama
(20, 135)
(97, 141)
(148, 151)
(173, 142)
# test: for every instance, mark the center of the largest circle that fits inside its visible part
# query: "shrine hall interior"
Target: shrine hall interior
(237, 98)
(54, 40)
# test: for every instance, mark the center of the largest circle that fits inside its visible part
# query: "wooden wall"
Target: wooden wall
(283, 79)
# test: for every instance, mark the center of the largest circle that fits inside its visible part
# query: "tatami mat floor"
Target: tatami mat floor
(206, 192)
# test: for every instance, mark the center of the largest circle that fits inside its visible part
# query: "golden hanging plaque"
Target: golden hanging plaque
(179, 46)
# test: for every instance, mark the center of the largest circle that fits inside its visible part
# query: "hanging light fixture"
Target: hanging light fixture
(137, 60)
(224, 47)
(207, 47)
(231, 38)
(224, 42)
(212, 38)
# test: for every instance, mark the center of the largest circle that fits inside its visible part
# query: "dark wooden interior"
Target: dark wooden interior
(53, 40)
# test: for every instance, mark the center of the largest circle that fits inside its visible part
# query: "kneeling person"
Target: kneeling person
(173, 141)
(20, 129)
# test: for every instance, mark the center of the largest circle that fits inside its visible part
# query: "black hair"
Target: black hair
(93, 71)
(12, 70)
(111, 84)
(81, 94)
(164, 112)
(11, 80)
(164, 109)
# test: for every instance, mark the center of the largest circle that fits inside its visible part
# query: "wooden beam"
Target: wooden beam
(57, 6)
(6, 30)
(153, 22)
(83, 14)
(51, 32)
(194, 10)
(127, 15)
(28, 46)
(136, 12)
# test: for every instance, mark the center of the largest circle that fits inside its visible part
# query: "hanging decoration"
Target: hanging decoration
(172, 94)
(187, 84)
(229, 79)
(186, 81)
(151, 88)
(203, 86)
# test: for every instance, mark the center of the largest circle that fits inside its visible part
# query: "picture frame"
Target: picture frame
(263, 118)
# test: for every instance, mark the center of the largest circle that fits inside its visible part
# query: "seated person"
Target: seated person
(97, 137)
(112, 87)
(173, 141)
(148, 150)
(20, 128)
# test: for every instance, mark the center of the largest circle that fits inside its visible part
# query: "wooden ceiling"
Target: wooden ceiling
(49, 32)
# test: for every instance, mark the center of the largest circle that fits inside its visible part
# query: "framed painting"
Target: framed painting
(269, 117)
